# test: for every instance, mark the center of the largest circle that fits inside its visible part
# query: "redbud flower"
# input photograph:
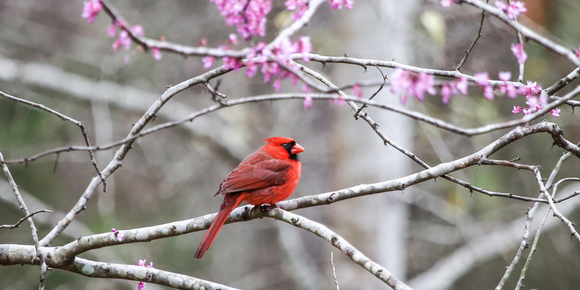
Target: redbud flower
(156, 53)
(112, 30)
(356, 89)
(512, 10)
(447, 3)
(91, 9)
(518, 50)
(507, 87)
(233, 39)
(555, 112)
(138, 30)
(482, 79)
(308, 100)
(207, 61)
(304, 47)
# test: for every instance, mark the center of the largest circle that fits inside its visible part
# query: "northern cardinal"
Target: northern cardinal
(266, 176)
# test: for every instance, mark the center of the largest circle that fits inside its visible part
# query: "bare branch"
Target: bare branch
(24, 255)
(17, 224)
(467, 51)
(334, 272)
(559, 49)
(64, 118)
(24, 208)
(339, 243)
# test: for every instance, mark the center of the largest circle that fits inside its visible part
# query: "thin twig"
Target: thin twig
(468, 51)
(553, 207)
(525, 31)
(24, 208)
(340, 243)
(334, 271)
(64, 118)
(380, 88)
(23, 219)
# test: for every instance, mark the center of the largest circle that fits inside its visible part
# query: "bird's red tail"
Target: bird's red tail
(230, 202)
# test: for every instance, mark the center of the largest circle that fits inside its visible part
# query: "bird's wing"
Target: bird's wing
(263, 174)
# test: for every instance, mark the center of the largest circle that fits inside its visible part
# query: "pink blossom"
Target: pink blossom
(91, 9)
(518, 50)
(512, 10)
(141, 285)
(447, 3)
(156, 53)
(123, 40)
(336, 4)
(277, 85)
(249, 16)
(488, 92)
(203, 42)
(308, 100)
(507, 87)
(462, 85)
(555, 112)
(269, 70)
(339, 101)
(138, 30)
(424, 84)
(304, 47)
(251, 68)
(207, 61)
(531, 89)
(578, 52)
(482, 79)
(291, 4)
(232, 63)
(408, 84)
(348, 4)
(112, 30)
(446, 94)
(517, 109)
(233, 39)
(357, 90)
(284, 48)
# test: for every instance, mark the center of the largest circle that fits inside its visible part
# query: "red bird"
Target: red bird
(266, 176)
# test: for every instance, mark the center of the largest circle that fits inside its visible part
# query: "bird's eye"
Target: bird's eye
(286, 145)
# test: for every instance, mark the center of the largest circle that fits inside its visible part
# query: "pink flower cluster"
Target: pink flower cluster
(249, 16)
(141, 285)
(260, 55)
(454, 88)
(518, 50)
(535, 100)
(506, 87)
(408, 84)
(447, 3)
(91, 9)
(300, 6)
(512, 10)
(118, 234)
(337, 4)
(124, 40)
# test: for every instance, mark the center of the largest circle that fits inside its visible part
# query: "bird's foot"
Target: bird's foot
(268, 207)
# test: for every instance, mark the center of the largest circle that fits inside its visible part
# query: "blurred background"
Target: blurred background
(436, 235)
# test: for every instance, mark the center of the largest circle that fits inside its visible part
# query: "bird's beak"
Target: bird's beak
(297, 149)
